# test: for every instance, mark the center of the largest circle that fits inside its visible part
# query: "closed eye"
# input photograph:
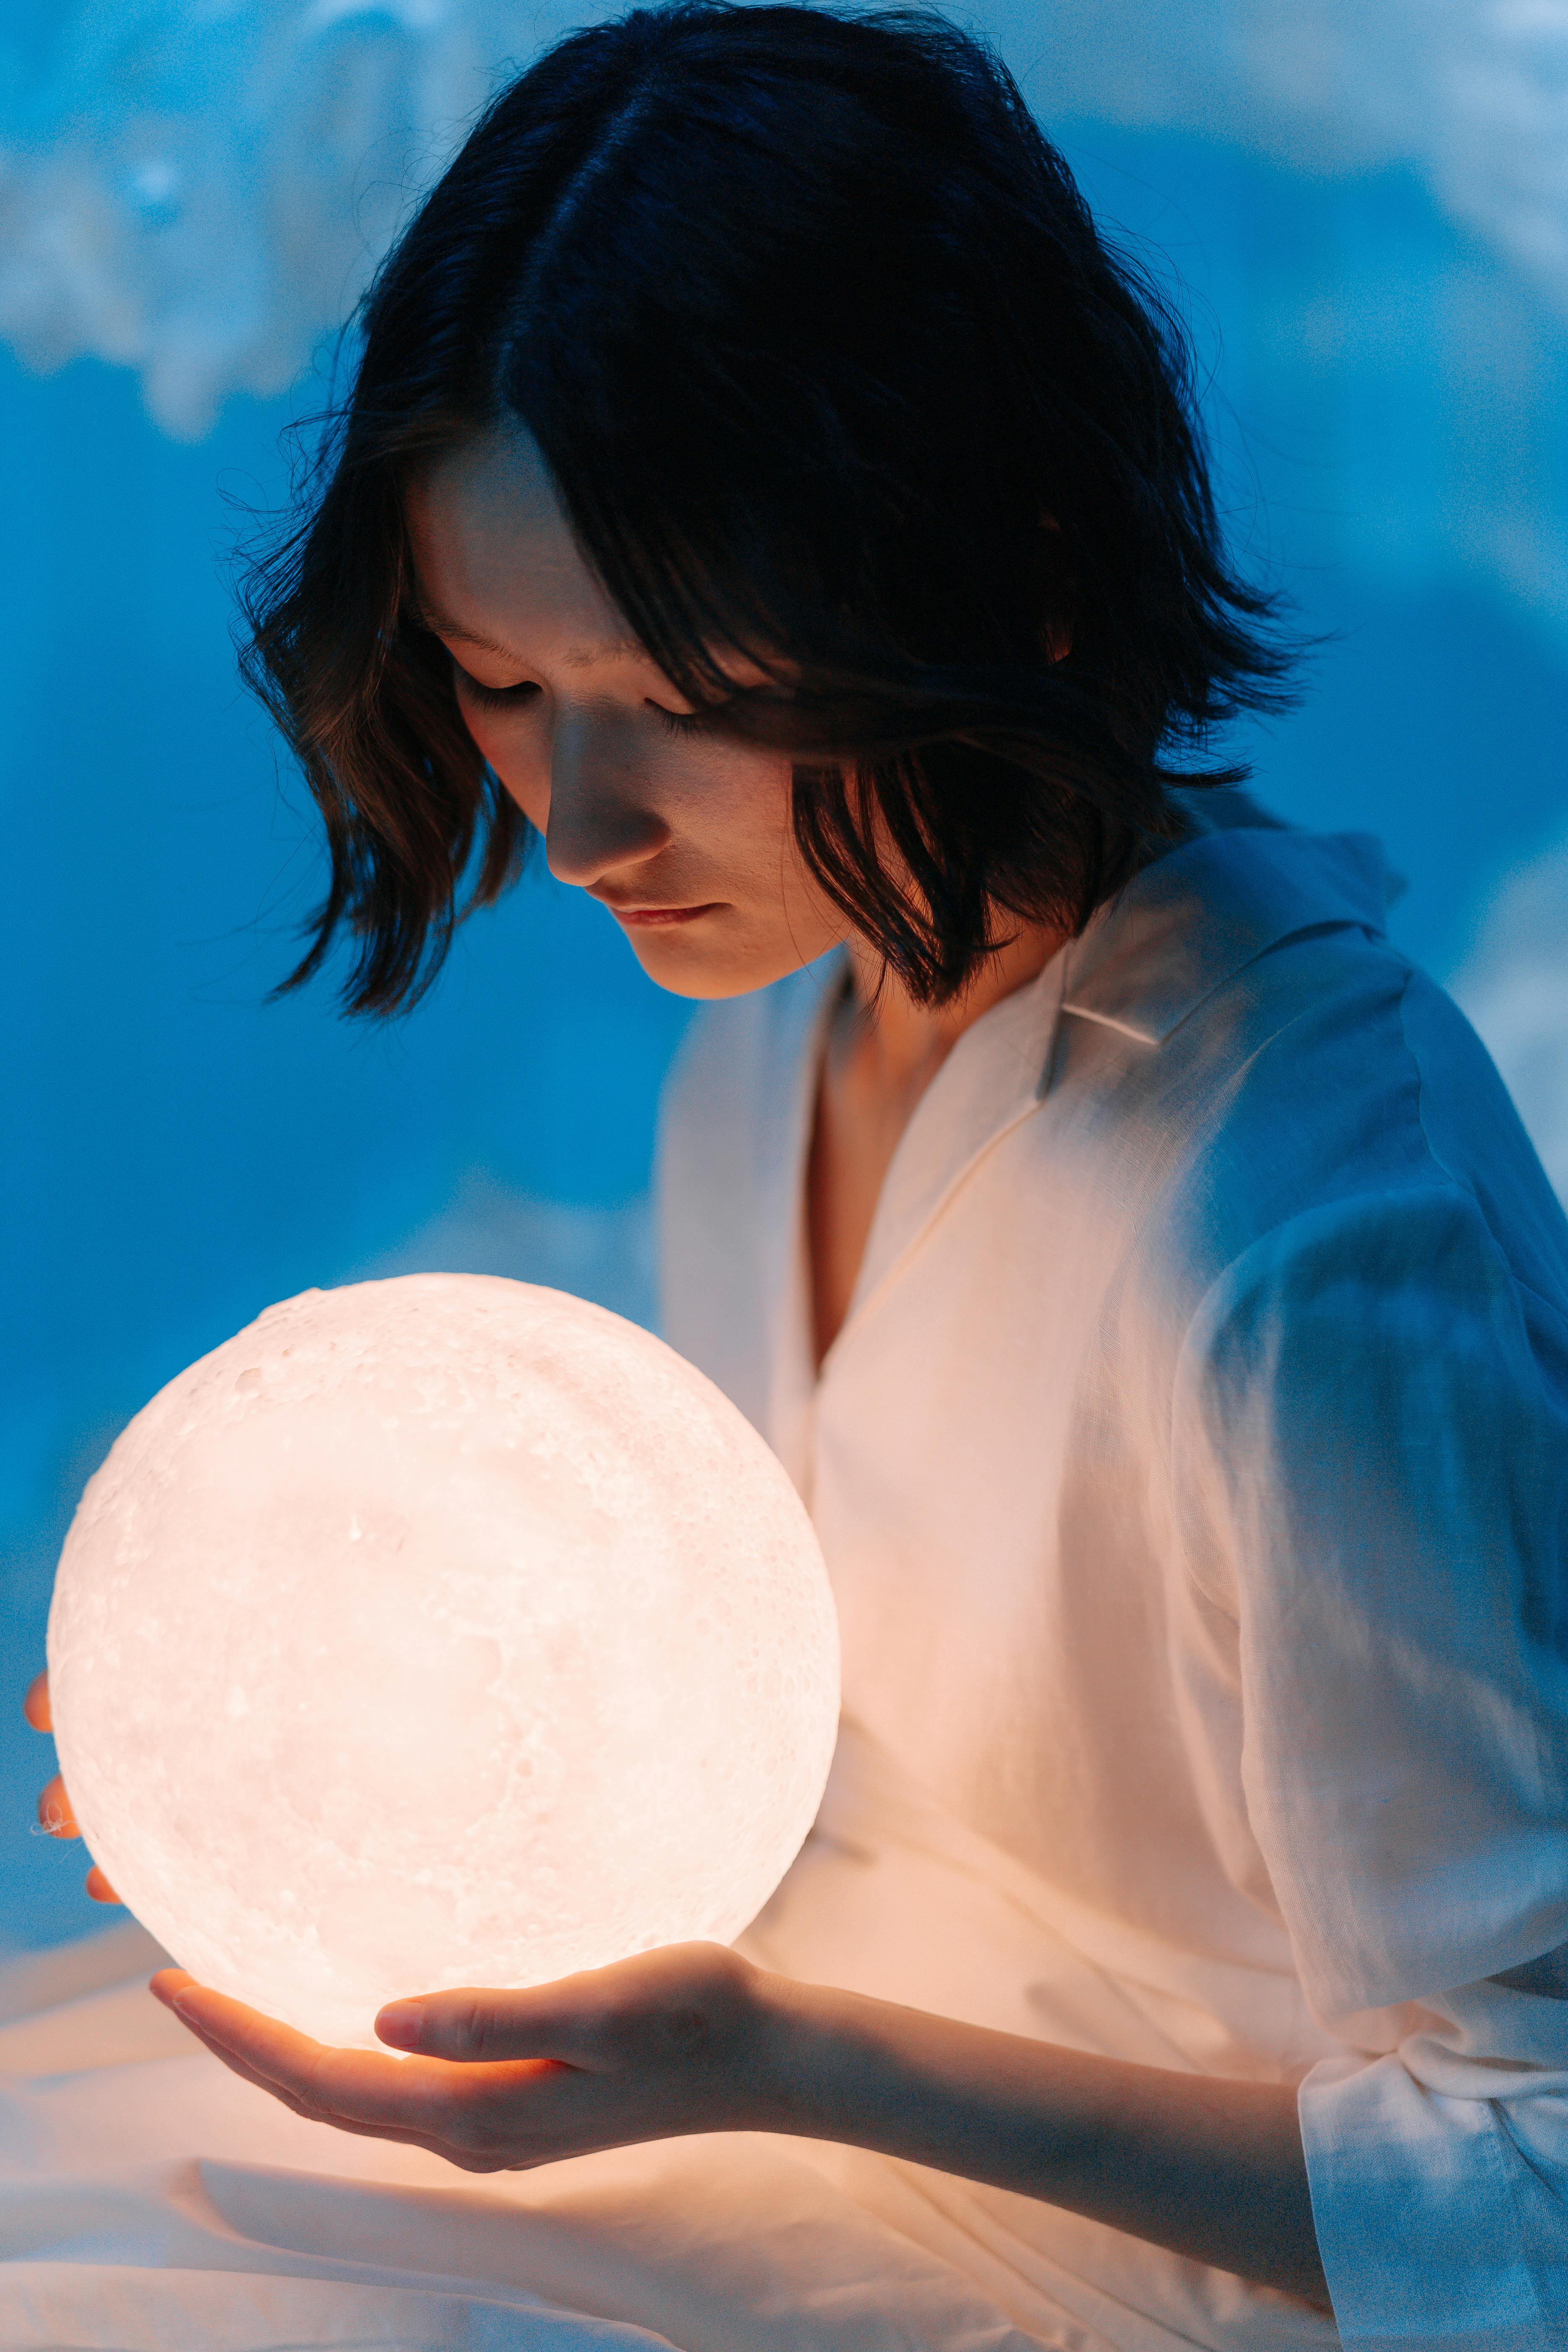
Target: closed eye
(680, 722)
(505, 697)
(510, 698)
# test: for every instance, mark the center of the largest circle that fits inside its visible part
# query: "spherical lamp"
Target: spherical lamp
(437, 1631)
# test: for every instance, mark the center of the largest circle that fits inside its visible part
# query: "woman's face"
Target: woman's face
(685, 837)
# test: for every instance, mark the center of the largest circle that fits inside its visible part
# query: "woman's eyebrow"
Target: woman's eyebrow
(576, 657)
(441, 624)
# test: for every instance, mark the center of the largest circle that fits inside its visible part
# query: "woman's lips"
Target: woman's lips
(642, 917)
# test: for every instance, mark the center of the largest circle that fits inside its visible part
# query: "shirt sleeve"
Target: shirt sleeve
(1370, 1444)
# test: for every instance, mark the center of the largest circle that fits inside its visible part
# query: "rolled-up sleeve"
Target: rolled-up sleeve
(1370, 1446)
(1440, 2192)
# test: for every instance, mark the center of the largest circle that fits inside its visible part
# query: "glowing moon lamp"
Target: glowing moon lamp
(437, 1631)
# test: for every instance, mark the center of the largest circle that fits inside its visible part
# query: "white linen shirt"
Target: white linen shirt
(1192, 1469)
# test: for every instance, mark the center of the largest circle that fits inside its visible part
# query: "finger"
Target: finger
(55, 1812)
(300, 2106)
(671, 2001)
(36, 1705)
(469, 2117)
(99, 1887)
(471, 2028)
(226, 2056)
(236, 2065)
(350, 2089)
(167, 1986)
(273, 2050)
(555, 2025)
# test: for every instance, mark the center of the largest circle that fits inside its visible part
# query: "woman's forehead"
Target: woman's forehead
(495, 558)
(496, 565)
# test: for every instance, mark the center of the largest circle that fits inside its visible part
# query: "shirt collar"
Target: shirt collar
(1176, 933)
(1200, 914)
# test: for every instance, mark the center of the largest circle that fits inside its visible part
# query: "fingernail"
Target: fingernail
(399, 2023)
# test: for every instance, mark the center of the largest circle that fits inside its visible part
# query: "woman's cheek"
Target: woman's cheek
(526, 779)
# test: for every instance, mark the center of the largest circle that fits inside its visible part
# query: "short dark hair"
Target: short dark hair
(828, 363)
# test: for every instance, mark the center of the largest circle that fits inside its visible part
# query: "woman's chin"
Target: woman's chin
(706, 958)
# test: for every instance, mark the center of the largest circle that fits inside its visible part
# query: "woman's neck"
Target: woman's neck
(883, 1051)
(900, 1043)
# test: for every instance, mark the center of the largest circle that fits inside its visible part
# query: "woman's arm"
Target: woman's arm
(695, 2039)
(1211, 2168)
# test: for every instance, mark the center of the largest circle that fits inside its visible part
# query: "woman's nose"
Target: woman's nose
(602, 815)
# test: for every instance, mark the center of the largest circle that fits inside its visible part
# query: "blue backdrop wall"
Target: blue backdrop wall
(1389, 398)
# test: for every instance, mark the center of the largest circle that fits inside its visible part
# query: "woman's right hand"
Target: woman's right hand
(54, 1806)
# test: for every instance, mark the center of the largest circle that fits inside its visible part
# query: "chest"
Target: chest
(853, 1140)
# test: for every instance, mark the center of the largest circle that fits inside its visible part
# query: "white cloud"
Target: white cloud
(201, 187)
(198, 188)
(1472, 93)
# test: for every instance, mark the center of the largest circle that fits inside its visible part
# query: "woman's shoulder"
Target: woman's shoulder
(1243, 1047)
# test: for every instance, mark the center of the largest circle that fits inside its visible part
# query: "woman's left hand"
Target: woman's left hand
(669, 2042)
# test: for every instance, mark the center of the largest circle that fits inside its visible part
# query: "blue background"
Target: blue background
(178, 1151)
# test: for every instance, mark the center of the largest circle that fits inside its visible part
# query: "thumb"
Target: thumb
(473, 2026)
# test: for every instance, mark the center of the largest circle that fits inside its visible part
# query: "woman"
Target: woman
(763, 487)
